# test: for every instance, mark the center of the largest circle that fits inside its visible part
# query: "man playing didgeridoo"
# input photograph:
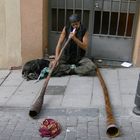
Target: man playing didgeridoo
(73, 60)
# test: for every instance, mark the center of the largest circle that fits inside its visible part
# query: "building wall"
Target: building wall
(136, 54)
(31, 29)
(24, 32)
(45, 25)
(10, 33)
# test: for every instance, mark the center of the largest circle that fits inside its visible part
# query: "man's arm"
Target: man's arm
(58, 47)
(82, 44)
(60, 42)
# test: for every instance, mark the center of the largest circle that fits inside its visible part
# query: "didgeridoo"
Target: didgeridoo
(37, 105)
(112, 129)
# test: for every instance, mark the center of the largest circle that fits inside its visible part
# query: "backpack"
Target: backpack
(32, 68)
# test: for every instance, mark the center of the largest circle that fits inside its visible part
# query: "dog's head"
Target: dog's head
(32, 68)
(29, 68)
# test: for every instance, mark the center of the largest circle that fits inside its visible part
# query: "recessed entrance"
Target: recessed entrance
(111, 25)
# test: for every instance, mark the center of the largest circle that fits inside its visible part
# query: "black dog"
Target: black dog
(32, 68)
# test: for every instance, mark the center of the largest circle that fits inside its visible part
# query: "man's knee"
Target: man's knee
(85, 67)
(88, 63)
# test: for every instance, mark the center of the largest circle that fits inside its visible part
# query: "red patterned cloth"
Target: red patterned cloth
(50, 128)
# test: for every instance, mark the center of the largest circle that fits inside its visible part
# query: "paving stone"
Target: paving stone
(106, 138)
(102, 131)
(14, 79)
(7, 132)
(117, 138)
(15, 138)
(76, 101)
(55, 90)
(125, 121)
(3, 123)
(83, 138)
(4, 73)
(17, 133)
(92, 137)
(59, 81)
(82, 119)
(82, 112)
(26, 137)
(82, 131)
(55, 111)
(20, 101)
(79, 89)
(11, 127)
(136, 126)
(129, 138)
(18, 127)
(127, 131)
(36, 138)
(4, 137)
(6, 93)
(97, 99)
(137, 135)
(110, 76)
(93, 120)
(128, 86)
(72, 121)
(62, 120)
(93, 129)
(70, 133)
(60, 138)
(129, 73)
(52, 101)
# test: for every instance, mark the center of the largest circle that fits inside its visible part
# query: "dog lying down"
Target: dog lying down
(32, 68)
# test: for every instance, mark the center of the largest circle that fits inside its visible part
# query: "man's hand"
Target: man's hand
(52, 63)
(72, 34)
(82, 44)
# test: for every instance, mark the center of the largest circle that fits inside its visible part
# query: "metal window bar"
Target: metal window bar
(110, 17)
(132, 34)
(120, 3)
(101, 17)
(57, 10)
(82, 13)
(126, 24)
(93, 30)
(65, 18)
(74, 1)
(118, 36)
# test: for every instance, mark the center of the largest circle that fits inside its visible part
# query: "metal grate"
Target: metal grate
(111, 25)
(61, 11)
(114, 17)
(55, 90)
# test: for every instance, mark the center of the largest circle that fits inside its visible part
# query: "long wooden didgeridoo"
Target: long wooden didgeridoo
(37, 105)
(112, 129)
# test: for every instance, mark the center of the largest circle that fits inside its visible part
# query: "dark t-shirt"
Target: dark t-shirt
(73, 53)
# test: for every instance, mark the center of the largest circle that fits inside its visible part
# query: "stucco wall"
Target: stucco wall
(23, 32)
(31, 29)
(136, 54)
(10, 33)
(45, 24)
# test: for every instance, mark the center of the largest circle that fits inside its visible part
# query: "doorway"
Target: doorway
(111, 25)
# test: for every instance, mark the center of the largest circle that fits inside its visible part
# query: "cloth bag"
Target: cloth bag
(50, 128)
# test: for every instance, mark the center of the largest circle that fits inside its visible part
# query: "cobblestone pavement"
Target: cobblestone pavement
(77, 103)
(77, 124)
